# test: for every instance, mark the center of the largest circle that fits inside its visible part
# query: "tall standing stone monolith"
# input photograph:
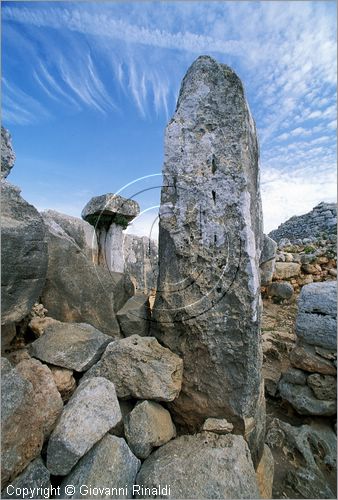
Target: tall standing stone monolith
(207, 307)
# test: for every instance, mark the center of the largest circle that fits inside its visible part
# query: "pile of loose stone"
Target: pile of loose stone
(310, 385)
(310, 260)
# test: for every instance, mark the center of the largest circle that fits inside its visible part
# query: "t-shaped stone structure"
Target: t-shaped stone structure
(110, 214)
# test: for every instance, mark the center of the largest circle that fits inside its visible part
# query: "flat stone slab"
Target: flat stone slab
(217, 425)
(108, 465)
(319, 298)
(90, 413)
(285, 270)
(305, 358)
(103, 209)
(205, 465)
(317, 329)
(76, 346)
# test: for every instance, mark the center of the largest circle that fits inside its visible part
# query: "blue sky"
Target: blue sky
(87, 90)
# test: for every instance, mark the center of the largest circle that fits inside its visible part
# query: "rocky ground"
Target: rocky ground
(295, 461)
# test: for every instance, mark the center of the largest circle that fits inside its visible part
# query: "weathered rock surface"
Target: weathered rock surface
(217, 425)
(141, 261)
(323, 386)
(140, 368)
(39, 325)
(90, 413)
(110, 214)
(21, 437)
(35, 476)
(76, 346)
(76, 290)
(207, 305)
(269, 249)
(294, 376)
(23, 255)
(284, 270)
(134, 317)
(201, 466)
(321, 219)
(298, 449)
(46, 396)
(265, 473)
(148, 426)
(77, 229)
(305, 358)
(304, 401)
(316, 322)
(109, 464)
(7, 153)
(64, 381)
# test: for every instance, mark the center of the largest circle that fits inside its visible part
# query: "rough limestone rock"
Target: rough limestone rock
(76, 346)
(110, 214)
(305, 358)
(140, 368)
(76, 290)
(323, 386)
(141, 261)
(21, 432)
(134, 317)
(280, 290)
(316, 322)
(208, 303)
(217, 425)
(285, 270)
(23, 255)
(294, 376)
(64, 381)
(39, 325)
(126, 406)
(7, 153)
(304, 401)
(46, 396)
(148, 426)
(297, 449)
(322, 219)
(79, 230)
(205, 465)
(265, 472)
(267, 270)
(90, 413)
(35, 476)
(109, 464)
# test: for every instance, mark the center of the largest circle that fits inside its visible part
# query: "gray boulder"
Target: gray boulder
(294, 376)
(76, 290)
(108, 465)
(306, 358)
(77, 229)
(317, 329)
(201, 466)
(36, 478)
(319, 298)
(303, 400)
(21, 430)
(207, 304)
(76, 346)
(90, 413)
(307, 484)
(7, 153)
(148, 426)
(23, 255)
(269, 249)
(280, 290)
(134, 317)
(140, 368)
(267, 270)
(323, 386)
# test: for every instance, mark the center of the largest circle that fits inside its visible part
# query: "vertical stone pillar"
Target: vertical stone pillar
(208, 306)
(110, 215)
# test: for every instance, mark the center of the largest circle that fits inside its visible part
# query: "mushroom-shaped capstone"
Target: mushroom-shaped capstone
(110, 214)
